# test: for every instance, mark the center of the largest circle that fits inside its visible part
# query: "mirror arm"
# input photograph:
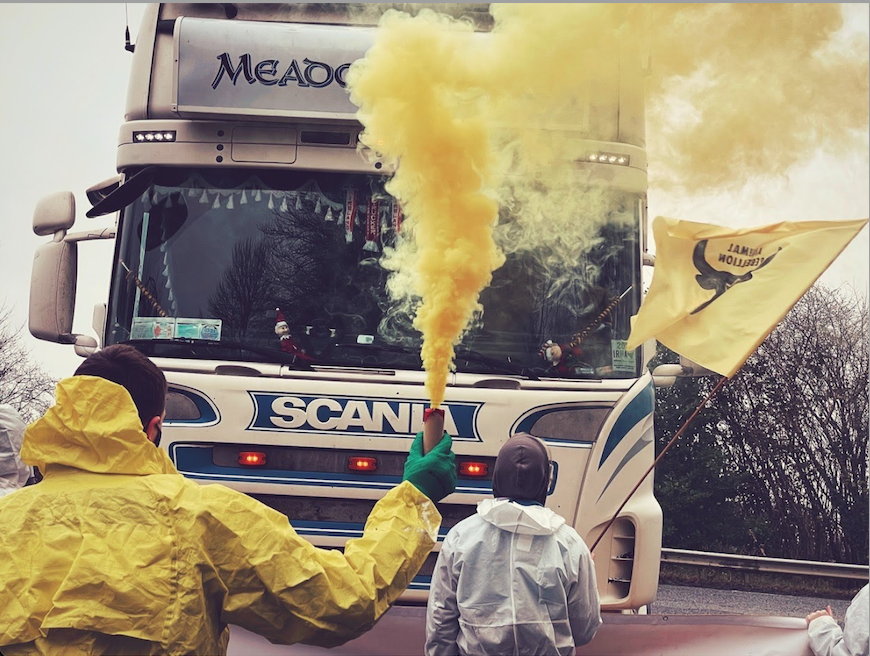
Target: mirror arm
(124, 194)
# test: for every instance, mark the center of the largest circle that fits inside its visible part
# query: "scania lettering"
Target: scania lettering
(249, 236)
(357, 416)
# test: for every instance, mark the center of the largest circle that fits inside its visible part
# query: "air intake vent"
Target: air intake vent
(621, 559)
(327, 138)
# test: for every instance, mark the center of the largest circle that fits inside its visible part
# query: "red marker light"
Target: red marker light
(252, 458)
(359, 463)
(473, 469)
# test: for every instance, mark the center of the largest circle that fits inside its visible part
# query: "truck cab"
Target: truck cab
(251, 227)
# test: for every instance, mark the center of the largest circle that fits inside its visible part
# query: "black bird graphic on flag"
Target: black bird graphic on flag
(720, 281)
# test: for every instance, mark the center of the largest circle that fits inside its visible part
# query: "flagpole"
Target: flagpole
(656, 461)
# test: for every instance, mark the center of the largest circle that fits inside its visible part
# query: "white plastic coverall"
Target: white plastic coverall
(512, 579)
(114, 552)
(13, 472)
(828, 639)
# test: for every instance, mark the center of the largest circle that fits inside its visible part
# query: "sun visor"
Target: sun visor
(265, 70)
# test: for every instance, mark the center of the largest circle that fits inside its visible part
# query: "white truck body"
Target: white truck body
(239, 133)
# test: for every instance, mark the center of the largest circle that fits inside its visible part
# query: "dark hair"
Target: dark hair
(124, 365)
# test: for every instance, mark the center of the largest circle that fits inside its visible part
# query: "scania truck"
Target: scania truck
(248, 243)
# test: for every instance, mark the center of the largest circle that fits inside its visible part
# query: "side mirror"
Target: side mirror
(693, 369)
(85, 345)
(665, 375)
(53, 291)
(54, 213)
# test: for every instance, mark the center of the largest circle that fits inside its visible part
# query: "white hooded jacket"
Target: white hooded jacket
(828, 639)
(13, 472)
(512, 579)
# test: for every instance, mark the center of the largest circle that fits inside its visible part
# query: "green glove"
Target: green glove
(434, 474)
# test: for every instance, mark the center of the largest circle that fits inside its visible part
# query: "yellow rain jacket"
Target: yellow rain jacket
(115, 552)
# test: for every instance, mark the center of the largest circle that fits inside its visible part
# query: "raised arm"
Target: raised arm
(279, 585)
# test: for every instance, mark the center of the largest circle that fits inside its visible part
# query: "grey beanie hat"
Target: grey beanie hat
(522, 469)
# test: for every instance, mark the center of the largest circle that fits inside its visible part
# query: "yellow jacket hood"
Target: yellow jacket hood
(93, 426)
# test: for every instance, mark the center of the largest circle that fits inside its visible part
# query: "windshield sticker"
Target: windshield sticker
(171, 328)
(622, 360)
(153, 328)
(209, 329)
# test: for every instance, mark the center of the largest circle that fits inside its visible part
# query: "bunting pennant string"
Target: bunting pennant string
(379, 217)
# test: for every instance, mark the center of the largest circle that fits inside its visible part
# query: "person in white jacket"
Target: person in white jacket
(513, 578)
(828, 639)
(13, 472)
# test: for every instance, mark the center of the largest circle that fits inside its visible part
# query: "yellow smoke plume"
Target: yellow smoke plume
(741, 90)
(482, 124)
(417, 101)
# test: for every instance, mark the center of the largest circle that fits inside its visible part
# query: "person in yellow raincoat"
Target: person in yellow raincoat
(114, 552)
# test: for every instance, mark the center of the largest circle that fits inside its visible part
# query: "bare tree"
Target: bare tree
(23, 383)
(245, 288)
(777, 464)
(796, 420)
(304, 251)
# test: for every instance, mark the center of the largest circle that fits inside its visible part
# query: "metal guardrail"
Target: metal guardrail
(771, 565)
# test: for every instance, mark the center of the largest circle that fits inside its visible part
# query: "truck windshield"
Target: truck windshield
(286, 267)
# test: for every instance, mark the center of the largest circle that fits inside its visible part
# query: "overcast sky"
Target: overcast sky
(64, 81)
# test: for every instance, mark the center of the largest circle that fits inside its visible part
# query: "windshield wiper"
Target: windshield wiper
(380, 348)
(496, 364)
(500, 366)
(273, 355)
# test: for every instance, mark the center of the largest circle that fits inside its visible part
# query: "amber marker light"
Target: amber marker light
(252, 458)
(473, 469)
(359, 463)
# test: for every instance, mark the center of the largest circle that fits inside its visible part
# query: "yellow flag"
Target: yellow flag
(718, 292)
